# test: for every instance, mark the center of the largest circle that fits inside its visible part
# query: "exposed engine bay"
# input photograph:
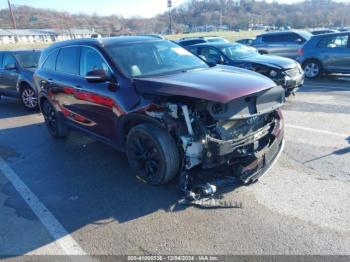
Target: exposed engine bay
(231, 136)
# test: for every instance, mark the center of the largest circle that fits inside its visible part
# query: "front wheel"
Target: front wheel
(312, 69)
(152, 154)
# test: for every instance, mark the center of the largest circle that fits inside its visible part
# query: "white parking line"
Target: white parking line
(318, 131)
(56, 230)
(328, 87)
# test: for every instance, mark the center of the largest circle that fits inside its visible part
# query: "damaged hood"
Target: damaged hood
(273, 61)
(218, 84)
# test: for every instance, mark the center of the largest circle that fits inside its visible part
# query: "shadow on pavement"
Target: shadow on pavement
(82, 182)
(11, 107)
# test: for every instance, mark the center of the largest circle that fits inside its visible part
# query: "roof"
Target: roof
(105, 41)
(285, 31)
(217, 44)
(5, 33)
(330, 34)
(24, 32)
(198, 37)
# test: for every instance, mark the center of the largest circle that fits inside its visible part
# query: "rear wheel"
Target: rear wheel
(152, 154)
(28, 97)
(54, 121)
(312, 69)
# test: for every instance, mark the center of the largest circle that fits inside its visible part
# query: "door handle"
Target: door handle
(78, 87)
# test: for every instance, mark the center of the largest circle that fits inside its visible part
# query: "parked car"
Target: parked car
(323, 31)
(285, 43)
(197, 40)
(329, 53)
(16, 76)
(284, 71)
(245, 41)
(166, 108)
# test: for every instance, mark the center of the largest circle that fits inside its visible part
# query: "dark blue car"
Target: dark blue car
(283, 71)
(16, 76)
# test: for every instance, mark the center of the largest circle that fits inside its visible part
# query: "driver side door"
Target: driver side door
(97, 98)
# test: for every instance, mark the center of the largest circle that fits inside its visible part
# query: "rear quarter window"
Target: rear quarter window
(335, 41)
(272, 38)
(50, 62)
(68, 60)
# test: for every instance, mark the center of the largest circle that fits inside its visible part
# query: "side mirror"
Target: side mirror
(299, 41)
(98, 76)
(10, 67)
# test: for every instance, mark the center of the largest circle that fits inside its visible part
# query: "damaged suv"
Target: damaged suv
(167, 109)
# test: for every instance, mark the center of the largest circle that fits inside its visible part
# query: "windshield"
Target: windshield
(153, 58)
(238, 51)
(28, 60)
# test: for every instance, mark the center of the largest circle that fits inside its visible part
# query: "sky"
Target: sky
(126, 8)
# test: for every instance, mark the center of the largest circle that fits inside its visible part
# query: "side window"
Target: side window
(337, 41)
(273, 38)
(291, 38)
(50, 62)
(210, 55)
(91, 61)
(8, 61)
(68, 60)
(193, 50)
(192, 42)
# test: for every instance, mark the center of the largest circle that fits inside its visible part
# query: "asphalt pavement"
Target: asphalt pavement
(79, 196)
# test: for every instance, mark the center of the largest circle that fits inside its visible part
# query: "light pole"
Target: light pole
(12, 16)
(170, 4)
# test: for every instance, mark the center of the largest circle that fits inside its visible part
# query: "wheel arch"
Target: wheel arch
(126, 123)
(312, 59)
(23, 83)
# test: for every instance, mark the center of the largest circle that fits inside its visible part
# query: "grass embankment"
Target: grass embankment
(229, 35)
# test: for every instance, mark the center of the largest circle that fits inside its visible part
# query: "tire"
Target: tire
(313, 69)
(54, 121)
(152, 154)
(28, 98)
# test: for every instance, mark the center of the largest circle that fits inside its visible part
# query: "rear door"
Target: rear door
(274, 44)
(335, 52)
(9, 75)
(292, 42)
(86, 105)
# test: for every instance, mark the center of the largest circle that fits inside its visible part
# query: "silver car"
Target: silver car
(285, 43)
(328, 53)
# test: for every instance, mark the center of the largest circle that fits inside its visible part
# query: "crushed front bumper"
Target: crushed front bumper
(294, 80)
(241, 161)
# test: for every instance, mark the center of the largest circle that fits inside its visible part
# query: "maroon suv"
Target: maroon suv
(172, 114)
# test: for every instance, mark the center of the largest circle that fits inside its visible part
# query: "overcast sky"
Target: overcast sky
(127, 8)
